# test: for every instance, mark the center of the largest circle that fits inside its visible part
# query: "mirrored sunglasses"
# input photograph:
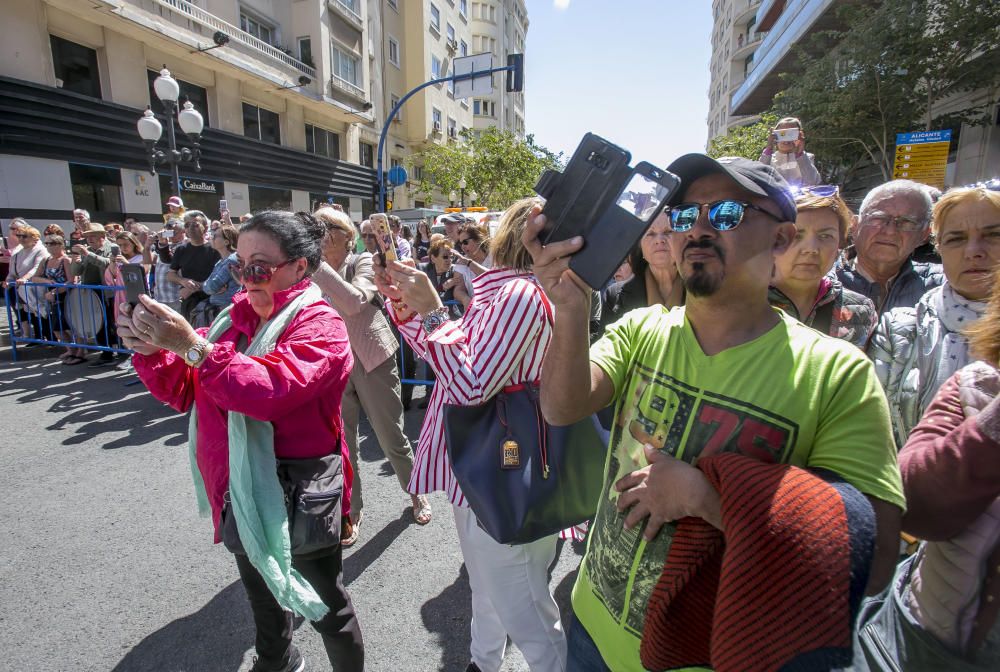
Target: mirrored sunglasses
(723, 215)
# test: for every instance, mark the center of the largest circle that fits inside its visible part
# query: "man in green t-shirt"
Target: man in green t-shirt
(725, 373)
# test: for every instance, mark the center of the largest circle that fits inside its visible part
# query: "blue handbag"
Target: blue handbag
(523, 478)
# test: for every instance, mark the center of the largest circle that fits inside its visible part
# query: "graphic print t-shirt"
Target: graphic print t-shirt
(790, 396)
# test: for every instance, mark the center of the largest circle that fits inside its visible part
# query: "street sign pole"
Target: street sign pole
(514, 66)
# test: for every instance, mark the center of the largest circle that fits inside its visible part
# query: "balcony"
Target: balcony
(744, 46)
(347, 9)
(744, 9)
(353, 90)
(192, 12)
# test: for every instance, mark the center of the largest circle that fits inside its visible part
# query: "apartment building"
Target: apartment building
(783, 24)
(499, 27)
(735, 39)
(421, 39)
(284, 101)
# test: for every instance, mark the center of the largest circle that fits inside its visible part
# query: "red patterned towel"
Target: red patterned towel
(780, 590)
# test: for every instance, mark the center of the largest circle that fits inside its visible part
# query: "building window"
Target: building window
(393, 102)
(96, 189)
(452, 128)
(366, 154)
(322, 142)
(306, 52)
(345, 66)
(351, 5)
(261, 124)
(435, 67)
(75, 67)
(268, 198)
(436, 119)
(463, 48)
(450, 32)
(463, 7)
(451, 82)
(435, 18)
(476, 107)
(189, 92)
(394, 51)
(257, 28)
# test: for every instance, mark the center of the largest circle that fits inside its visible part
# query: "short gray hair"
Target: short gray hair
(82, 211)
(907, 188)
(195, 214)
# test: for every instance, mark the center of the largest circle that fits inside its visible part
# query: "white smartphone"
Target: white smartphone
(787, 134)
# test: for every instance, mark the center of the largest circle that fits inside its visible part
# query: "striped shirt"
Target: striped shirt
(499, 341)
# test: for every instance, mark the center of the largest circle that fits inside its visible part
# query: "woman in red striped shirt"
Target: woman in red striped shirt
(500, 341)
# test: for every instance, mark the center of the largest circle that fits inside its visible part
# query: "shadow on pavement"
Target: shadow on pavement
(93, 407)
(447, 617)
(364, 555)
(213, 639)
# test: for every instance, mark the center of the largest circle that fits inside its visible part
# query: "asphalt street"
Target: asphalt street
(105, 564)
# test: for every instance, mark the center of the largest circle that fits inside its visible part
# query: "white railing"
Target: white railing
(199, 15)
(347, 86)
(346, 9)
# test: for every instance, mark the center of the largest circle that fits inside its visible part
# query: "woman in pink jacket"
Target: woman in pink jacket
(265, 381)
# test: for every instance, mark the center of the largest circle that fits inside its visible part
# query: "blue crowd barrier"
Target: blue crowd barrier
(83, 314)
(401, 358)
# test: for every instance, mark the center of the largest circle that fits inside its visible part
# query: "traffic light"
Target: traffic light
(515, 76)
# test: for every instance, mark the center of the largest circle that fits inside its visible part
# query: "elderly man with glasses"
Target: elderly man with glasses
(89, 260)
(894, 220)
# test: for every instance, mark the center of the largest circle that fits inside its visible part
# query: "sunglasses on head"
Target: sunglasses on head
(256, 273)
(723, 215)
(821, 190)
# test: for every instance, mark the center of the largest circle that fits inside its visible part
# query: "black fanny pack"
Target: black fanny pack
(313, 498)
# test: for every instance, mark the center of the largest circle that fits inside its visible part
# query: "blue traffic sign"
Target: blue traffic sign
(923, 137)
(397, 175)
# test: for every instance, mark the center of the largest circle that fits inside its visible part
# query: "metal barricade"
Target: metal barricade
(404, 349)
(85, 314)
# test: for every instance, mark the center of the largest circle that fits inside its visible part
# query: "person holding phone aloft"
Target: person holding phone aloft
(791, 159)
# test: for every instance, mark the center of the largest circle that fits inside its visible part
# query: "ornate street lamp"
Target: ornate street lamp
(461, 186)
(190, 120)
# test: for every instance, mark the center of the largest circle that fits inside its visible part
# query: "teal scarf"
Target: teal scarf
(256, 497)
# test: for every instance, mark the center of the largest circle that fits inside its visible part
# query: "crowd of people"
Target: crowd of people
(763, 349)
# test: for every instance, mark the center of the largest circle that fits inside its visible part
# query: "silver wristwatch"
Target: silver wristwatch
(196, 354)
(435, 319)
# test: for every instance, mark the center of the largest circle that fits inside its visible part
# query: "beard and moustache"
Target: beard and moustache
(701, 282)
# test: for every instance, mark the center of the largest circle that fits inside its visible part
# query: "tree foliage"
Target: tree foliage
(746, 141)
(496, 164)
(895, 66)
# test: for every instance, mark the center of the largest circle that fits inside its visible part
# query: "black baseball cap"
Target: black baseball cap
(754, 176)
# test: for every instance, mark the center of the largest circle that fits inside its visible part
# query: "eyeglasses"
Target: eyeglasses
(369, 236)
(821, 190)
(258, 274)
(723, 215)
(881, 220)
(446, 257)
(50, 243)
(21, 236)
(466, 241)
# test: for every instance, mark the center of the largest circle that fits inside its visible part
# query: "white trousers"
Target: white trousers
(510, 595)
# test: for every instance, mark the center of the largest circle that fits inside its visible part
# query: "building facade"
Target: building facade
(783, 24)
(735, 39)
(499, 27)
(293, 100)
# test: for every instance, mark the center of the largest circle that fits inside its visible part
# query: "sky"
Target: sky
(634, 72)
